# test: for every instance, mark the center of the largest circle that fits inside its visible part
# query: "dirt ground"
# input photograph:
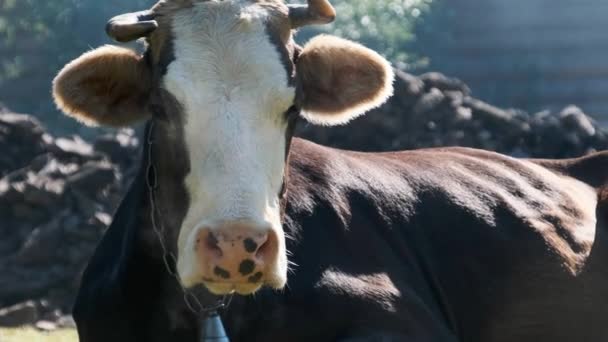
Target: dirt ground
(33, 335)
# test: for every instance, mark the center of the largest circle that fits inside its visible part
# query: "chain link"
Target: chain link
(191, 300)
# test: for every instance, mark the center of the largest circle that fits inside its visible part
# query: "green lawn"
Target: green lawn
(33, 335)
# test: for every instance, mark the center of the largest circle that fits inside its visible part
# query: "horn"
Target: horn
(131, 26)
(314, 13)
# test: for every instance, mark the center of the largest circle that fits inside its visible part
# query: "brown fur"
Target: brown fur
(339, 80)
(108, 86)
(590, 169)
(603, 203)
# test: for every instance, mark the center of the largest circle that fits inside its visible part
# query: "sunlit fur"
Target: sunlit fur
(341, 80)
(104, 86)
(233, 90)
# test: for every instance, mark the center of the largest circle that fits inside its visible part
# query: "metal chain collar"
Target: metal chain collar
(192, 302)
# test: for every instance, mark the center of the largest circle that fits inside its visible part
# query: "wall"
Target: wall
(531, 54)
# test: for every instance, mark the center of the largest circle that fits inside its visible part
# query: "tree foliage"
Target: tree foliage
(38, 37)
(386, 26)
(34, 34)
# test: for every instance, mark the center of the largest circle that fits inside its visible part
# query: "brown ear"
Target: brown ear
(340, 80)
(107, 86)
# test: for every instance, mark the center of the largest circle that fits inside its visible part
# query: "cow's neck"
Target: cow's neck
(155, 240)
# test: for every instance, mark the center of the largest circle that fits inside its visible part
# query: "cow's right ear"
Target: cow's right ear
(107, 86)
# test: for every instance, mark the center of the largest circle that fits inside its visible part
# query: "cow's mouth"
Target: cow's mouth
(224, 288)
(233, 258)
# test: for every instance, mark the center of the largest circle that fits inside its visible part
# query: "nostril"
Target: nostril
(262, 251)
(250, 245)
(265, 250)
(212, 245)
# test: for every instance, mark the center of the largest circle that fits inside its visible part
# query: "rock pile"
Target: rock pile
(56, 200)
(57, 195)
(434, 110)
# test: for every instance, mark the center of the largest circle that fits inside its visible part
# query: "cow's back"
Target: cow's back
(497, 249)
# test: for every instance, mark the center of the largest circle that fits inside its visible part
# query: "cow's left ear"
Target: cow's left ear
(339, 80)
(107, 86)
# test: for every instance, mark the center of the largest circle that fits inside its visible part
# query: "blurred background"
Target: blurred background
(528, 78)
(527, 54)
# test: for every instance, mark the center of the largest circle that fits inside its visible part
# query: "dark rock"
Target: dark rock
(23, 211)
(22, 138)
(46, 325)
(46, 194)
(437, 80)
(11, 193)
(114, 146)
(428, 102)
(101, 219)
(408, 90)
(435, 110)
(91, 178)
(55, 196)
(19, 314)
(66, 321)
(75, 146)
(39, 162)
(574, 120)
(42, 244)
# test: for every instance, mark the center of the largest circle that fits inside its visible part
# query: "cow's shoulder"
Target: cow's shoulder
(462, 188)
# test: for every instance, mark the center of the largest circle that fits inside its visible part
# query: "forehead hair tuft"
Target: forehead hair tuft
(165, 9)
(168, 5)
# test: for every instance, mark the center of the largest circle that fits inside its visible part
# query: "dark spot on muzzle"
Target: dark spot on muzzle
(246, 267)
(220, 272)
(256, 277)
(250, 245)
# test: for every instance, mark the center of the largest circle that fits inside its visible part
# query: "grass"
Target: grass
(33, 335)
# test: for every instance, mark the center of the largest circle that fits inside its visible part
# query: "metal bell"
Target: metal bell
(212, 329)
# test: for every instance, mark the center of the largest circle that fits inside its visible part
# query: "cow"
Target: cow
(315, 243)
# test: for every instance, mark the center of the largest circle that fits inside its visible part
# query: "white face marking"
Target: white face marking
(234, 91)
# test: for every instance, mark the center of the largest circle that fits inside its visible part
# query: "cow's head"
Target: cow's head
(224, 82)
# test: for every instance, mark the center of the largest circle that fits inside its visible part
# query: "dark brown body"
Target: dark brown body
(432, 245)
